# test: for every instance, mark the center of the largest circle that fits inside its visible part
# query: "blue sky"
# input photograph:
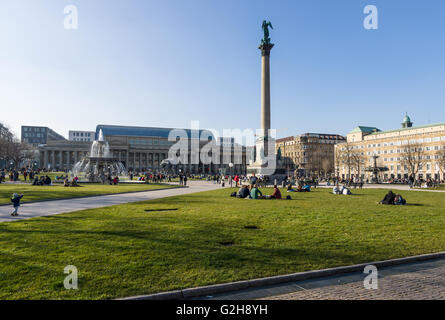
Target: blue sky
(165, 63)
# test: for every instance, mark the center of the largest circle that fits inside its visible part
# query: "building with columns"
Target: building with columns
(142, 149)
(62, 155)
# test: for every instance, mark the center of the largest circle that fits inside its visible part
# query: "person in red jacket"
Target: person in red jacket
(236, 179)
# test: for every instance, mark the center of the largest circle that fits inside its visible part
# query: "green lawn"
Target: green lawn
(125, 250)
(58, 191)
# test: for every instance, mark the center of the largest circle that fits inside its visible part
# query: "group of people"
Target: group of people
(342, 190)
(42, 181)
(393, 199)
(253, 192)
(14, 175)
(72, 183)
(300, 188)
(183, 179)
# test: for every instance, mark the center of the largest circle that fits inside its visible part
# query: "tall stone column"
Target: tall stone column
(262, 146)
(265, 87)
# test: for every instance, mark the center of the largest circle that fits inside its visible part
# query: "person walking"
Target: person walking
(16, 203)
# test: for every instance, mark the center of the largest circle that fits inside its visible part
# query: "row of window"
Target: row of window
(81, 134)
(34, 135)
(404, 142)
(150, 142)
(33, 129)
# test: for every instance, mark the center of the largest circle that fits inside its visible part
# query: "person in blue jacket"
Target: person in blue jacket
(16, 203)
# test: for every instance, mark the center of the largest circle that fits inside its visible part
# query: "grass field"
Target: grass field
(57, 191)
(175, 242)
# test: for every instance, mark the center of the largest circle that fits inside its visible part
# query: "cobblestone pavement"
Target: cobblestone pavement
(418, 285)
(424, 280)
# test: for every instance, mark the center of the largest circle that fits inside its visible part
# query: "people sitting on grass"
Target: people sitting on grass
(345, 191)
(336, 190)
(306, 188)
(255, 193)
(290, 188)
(66, 183)
(37, 182)
(393, 199)
(276, 193)
(243, 192)
(389, 198)
(47, 181)
(399, 201)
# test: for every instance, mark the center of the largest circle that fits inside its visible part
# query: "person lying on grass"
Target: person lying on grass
(392, 199)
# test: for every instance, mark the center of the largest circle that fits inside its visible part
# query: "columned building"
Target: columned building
(142, 149)
(62, 155)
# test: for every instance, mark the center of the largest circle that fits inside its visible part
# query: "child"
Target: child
(16, 203)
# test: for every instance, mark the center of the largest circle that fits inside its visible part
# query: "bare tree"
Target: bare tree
(11, 149)
(440, 160)
(359, 161)
(413, 158)
(338, 161)
(347, 157)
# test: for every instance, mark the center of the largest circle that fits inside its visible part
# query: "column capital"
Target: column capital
(265, 48)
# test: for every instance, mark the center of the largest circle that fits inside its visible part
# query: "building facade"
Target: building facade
(408, 151)
(309, 153)
(143, 149)
(85, 136)
(39, 135)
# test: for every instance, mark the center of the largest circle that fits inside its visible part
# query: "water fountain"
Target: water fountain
(376, 170)
(99, 164)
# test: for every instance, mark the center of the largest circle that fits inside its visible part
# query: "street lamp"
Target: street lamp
(231, 180)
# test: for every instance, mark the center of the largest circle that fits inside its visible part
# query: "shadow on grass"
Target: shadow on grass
(159, 210)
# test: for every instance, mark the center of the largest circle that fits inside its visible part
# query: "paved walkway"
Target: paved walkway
(414, 281)
(403, 187)
(47, 208)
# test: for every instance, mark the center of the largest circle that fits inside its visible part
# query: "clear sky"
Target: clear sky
(167, 62)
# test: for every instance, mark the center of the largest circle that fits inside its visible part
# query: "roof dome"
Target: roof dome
(407, 119)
